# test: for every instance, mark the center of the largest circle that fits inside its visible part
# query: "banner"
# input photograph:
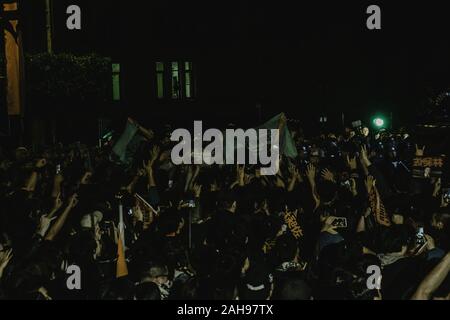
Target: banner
(287, 144)
(147, 210)
(427, 167)
(128, 143)
(14, 59)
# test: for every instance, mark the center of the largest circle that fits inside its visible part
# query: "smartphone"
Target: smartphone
(446, 195)
(130, 212)
(191, 204)
(107, 228)
(340, 222)
(420, 236)
(345, 183)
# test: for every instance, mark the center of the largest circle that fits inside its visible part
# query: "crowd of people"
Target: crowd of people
(344, 208)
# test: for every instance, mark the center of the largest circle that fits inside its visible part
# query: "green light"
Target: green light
(378, 122)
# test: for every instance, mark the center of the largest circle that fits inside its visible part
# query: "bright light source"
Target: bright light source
(378, 122)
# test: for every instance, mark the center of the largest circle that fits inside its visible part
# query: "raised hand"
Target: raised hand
(138, 214)
(363, 155)
(140, 172)
(86, 177)
(327, 175)
(41, 163)
(154, 153)
(73, 201)
(437, 187)
(420, 151)
(59, 178)
(197, 189)
(44, 224)
(370, 183)
(147, 166)
(328, 225)
(351, 162)
(311, 173)
(5, 257)
(353, 189)
(214, 187)
(58, 202)
(240, 174)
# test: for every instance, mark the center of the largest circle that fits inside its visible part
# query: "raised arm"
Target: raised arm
(433, 280)
(149, 166)
(56, 228)
(311, 175)
(30, 185)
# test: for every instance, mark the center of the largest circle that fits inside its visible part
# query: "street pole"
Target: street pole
(49, 32)
(48, 25)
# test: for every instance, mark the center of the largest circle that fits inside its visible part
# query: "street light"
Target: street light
(378, 122)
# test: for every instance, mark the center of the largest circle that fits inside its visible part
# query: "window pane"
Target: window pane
(116, 67)
(159, 66)
(160, 85)
(115, 81)
(188, 85)
(175, 81)
(116, 87)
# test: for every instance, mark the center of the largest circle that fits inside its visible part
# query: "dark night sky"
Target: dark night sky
(302, 57)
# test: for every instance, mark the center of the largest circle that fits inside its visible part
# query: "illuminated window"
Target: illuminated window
(116, 81)
(188, 79)
(175, 80)
(160, 80)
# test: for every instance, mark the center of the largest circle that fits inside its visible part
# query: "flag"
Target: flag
(287, 144)
(128, 143)
(121, 267)
(14, 59)
(378, 209)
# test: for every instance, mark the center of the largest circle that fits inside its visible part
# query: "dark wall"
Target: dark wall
(306, 59)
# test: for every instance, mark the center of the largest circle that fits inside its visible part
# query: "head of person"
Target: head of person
(286, 248)
(327, 191)
(156, 272)
(294, 289)
(147, 291)
(118, 289)
(228, 203)
(257, 284)
(186, 290)
(171, 223)
(440, 221)
(393, 240)
(365, 131)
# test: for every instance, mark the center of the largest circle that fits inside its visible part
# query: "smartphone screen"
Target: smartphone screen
(420, 236)
(446, 195)
(340, 222)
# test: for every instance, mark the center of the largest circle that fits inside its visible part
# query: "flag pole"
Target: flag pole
(190, 228)
(121, 224)
(121, 265)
